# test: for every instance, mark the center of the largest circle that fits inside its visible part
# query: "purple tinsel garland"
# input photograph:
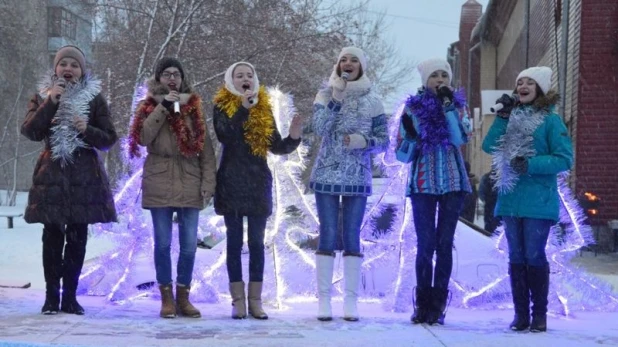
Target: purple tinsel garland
(432, 122)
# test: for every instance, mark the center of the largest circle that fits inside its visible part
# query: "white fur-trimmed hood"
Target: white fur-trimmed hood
(361, 86)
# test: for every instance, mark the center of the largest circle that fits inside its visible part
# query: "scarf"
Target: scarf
(65, 139)
(190, 142)
(433, 127)
(517, 141)
(258, 129)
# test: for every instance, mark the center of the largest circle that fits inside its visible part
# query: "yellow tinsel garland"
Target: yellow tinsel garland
(260, 125)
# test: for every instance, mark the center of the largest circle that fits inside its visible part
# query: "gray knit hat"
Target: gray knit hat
(71, 51)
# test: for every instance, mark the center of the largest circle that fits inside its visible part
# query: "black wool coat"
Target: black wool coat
(244, 180)
(79, 192)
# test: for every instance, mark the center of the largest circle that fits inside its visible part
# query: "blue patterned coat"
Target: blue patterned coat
(442, 169)
(339, 170)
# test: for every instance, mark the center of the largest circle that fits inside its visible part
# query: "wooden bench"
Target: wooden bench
(10, 212)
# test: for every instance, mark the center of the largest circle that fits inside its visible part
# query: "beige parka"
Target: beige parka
(171, 179)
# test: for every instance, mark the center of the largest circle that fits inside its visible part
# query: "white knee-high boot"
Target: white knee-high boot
(351, 275)
(324, 265)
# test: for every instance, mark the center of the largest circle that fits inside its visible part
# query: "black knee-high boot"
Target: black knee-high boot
(53, 243)
(538, 280)
(439, 303)
(521, 296)
(422, 304)
(74, 254)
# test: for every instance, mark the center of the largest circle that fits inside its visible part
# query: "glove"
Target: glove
(508, 102)
(444, 93)
(338, 85)
(168, 105)
(519, 165)
(408, 126)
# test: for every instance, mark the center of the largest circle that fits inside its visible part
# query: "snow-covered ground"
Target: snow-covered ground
(136, 323)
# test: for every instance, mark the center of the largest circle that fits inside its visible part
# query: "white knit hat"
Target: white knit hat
(355, 51)
(540, 74)
(429, 66)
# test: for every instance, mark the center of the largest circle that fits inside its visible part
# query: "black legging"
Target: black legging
(69, 266)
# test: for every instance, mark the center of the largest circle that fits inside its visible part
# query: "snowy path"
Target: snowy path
(137, 324)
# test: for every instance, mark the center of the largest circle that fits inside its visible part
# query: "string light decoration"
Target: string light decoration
(570, 288)
(290, 265)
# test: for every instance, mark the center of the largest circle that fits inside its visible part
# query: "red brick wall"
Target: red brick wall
(471, 11)
(597, 117)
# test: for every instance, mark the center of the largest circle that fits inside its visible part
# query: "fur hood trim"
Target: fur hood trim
(157, 91)
(547, 101)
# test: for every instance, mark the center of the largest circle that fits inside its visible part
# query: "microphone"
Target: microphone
(176, 103)
(345, 76)
(497, 107)
(446, 99)
(60, 82)
(245, 88)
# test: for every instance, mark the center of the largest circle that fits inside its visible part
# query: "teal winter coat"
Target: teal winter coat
(535, 193)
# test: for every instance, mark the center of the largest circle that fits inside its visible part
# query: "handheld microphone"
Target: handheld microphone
(345, 76)
(497, 107)
(446, 100)
(176, 107)
(60, 82)
(245, 87)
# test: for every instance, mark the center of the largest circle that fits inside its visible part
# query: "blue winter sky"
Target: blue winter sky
(421, 29)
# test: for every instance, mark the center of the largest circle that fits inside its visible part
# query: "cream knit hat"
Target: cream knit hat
(429, 66)
(540, 74)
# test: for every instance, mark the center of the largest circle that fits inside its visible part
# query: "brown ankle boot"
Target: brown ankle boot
(184, 305)
(168, 309)
(255, 300)
(239, 302)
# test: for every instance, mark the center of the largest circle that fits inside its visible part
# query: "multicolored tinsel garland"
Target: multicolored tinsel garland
(190, 142)
(260, 125)
(65, 139)
(430, 112)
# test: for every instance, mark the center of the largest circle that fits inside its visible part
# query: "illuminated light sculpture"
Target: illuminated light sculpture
(290, 268)
(570, 288)
(127, 271)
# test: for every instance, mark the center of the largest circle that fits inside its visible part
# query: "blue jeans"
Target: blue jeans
(353, 211)
(187, 237)
(527, 238)
(435, 239)
(255, 236)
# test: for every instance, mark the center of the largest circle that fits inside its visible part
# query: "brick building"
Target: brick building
(578, 39)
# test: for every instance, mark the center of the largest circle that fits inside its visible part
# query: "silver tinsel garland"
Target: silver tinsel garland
(516, 142)
(65, 138)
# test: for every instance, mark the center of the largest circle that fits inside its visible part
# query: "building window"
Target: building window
(61, 23)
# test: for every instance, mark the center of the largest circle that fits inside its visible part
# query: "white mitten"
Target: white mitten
(357, 141)
(338, 85)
